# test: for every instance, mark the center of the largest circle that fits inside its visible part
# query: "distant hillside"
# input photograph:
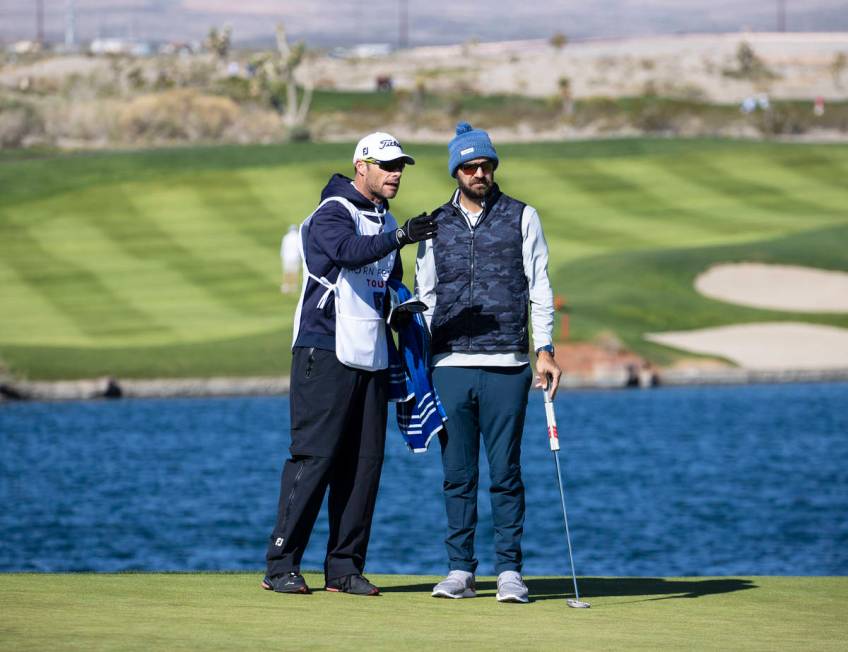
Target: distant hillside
(344, 23)
(693, 85)
(694, 66)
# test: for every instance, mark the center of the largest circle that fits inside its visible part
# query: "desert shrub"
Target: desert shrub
(783, 119)
(238, 89)
(654, 115)
(299, 134)
(602, 112)
(558, 40)
(797, 117)
(837, 67)
(183, 72)
(219, 42)
(177, 115)
(835, 117)
(82, 120)
(18, 123)
(256, 125)
(749, 66)
(135, 78)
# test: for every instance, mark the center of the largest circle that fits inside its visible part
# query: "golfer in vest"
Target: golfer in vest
(339, 375)
(481, 275)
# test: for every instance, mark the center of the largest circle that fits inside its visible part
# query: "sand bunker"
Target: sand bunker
(783, 345)
(777, 287)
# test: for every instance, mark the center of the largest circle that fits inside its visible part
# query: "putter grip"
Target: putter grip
(553, 435)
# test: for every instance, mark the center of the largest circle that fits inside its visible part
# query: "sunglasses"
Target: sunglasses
(388, 166)
(471, 168)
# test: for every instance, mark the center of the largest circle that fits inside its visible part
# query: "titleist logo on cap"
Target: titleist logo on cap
(467, 150)
(381, 146)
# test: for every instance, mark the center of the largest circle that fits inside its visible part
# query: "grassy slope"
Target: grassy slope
(663, 294)
(229, 611)
(164, 263)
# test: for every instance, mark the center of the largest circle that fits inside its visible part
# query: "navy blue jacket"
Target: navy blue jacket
(330, 243)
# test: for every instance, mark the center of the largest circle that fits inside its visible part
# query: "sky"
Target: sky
(348, 22)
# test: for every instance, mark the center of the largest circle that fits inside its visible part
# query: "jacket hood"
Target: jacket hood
(341, 186)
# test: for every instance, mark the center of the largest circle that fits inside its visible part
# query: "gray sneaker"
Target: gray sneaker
(458, 584)
(511, 588)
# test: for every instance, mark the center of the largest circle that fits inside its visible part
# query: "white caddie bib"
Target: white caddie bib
(359, 295)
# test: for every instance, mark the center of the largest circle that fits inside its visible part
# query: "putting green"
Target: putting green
(165, 262)
(229, 611)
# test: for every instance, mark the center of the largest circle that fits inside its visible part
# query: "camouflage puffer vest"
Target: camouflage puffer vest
(481, 294)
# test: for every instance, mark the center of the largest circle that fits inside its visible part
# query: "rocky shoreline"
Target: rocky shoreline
(110, 387)
(113, 388)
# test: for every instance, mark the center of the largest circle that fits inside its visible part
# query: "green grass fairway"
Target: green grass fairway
(165, 262)
(229, 611)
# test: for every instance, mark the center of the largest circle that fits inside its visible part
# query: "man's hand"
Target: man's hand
(420, 227)
(546, 366)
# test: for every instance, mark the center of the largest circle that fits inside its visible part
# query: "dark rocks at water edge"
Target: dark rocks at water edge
(109, 387)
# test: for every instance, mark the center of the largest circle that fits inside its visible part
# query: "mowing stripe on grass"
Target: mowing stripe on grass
(653, 212)
(572, 214)
(234, 205)
(261, 354)
(650, 221)
(231, 282)
(288, 193)
(729, 215)
(722, 217)
(820, 166)
(29, 316)
(792, 182)
(150, 286)
(184, 216)
(772, 199)
(79, 294)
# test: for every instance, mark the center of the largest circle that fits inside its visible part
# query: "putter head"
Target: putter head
(577, 604)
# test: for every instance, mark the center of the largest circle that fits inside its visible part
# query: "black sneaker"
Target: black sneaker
(353, 584)
(288, 583)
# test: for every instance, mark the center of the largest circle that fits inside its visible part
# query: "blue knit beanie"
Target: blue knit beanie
(468, 144)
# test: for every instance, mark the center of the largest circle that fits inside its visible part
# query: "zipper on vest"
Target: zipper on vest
(471, 293)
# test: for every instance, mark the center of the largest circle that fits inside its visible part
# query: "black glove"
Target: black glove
(420, 227)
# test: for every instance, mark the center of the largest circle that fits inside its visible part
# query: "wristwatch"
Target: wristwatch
(548, 347)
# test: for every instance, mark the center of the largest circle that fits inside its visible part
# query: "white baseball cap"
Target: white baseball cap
(380, 146)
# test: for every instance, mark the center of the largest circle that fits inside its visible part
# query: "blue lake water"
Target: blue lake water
(664, 482)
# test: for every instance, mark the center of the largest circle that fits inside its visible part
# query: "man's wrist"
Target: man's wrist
(547, 348)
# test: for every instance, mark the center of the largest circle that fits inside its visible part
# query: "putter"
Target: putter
(553, 440)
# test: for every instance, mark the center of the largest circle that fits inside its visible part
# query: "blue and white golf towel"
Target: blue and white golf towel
(420, 414)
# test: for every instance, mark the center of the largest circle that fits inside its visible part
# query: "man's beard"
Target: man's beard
(475, 192)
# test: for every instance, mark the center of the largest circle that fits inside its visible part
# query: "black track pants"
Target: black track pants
(338, 430)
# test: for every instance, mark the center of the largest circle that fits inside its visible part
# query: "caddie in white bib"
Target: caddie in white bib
(359, 295)
(339, 391)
